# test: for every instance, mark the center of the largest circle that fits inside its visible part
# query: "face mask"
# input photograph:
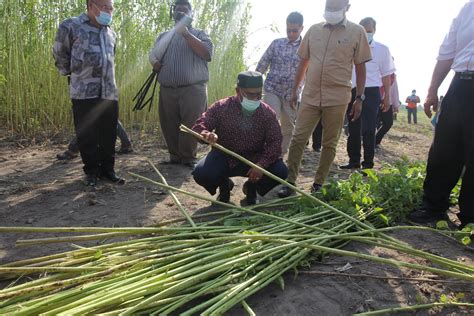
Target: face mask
(104, 18)
(334, 17)
(370, 37)
(249, 106)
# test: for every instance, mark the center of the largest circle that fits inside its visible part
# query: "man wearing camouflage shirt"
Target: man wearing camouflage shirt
(84, 50)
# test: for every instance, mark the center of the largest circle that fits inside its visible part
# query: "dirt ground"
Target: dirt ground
(37, 190)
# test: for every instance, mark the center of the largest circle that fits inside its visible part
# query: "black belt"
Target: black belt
(465, 75)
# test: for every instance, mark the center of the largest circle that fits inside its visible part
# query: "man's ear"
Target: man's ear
(348, 7)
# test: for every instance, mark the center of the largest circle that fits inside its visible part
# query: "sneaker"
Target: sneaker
(286, 191)
(224, 191)
(350, 165)
(67, 155)
(423, 216)
(316, 187)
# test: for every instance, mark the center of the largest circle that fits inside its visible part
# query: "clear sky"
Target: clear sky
(412, 29)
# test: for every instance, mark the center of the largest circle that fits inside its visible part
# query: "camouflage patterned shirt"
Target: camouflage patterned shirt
(86, 53)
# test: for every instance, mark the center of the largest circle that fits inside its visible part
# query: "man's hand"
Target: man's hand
(385, 105)
(182, 29)
(293, 100)
(254, 175)
(431, 101)
(356, 110)
(210, 137)
(157, 67)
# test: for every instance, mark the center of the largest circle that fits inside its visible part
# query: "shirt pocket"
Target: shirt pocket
(342, 50)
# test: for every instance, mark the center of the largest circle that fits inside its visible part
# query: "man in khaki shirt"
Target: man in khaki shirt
(328, 52)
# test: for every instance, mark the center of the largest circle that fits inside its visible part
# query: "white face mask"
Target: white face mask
(334, 17)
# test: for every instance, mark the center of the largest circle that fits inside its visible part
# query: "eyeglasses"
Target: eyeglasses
(292, 30)
(103, 7)
(256, 96)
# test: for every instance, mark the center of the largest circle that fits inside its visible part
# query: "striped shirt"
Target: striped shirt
(256, 137)
(180, 65)
(86, 53)
(282, 59)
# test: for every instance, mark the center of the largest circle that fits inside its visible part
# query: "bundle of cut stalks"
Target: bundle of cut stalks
(206, 267)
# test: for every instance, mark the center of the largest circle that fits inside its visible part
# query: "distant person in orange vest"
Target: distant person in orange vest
(412, 104)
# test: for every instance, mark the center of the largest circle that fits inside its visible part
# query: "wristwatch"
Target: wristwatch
(360, 97)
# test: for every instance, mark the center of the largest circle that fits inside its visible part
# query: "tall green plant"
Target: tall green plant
(34, 97)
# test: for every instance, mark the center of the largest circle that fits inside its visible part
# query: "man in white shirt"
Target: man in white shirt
(379, 71)
(453, 144)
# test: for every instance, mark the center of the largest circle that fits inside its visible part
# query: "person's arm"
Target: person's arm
(62, 50)
(158, 50)
(199, 47)
(387, 86)
(265, 61)
(440, 72)
(206, 124)
(300, 74)
(360, 87)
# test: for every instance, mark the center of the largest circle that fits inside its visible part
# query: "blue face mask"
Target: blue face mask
(104, 18)
(249, 106)
(370, 37)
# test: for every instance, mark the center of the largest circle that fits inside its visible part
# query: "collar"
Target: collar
(297, 42)
(343, 23)
(84, 18)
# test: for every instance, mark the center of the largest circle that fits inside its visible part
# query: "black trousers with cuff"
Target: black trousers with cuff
(95, 121)
(452, 151)
(362, 130)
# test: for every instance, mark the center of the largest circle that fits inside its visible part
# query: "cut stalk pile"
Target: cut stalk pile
(205, 266)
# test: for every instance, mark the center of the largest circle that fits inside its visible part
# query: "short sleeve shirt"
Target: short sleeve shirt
(332, 52)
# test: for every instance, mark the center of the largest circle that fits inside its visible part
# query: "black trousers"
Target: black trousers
(95, 121)
(318, 136)
(451, 151)
(384, 124)
(213, 170)
(121, 134)
(362, 130)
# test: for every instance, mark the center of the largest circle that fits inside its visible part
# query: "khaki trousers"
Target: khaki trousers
(178, 106)
(285, 114)
(308, 117)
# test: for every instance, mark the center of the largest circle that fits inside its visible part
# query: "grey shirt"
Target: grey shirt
(180, 65)
(86, 53)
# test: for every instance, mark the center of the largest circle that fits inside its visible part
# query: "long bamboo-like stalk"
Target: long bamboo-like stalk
(414, 308)
(175, 199)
